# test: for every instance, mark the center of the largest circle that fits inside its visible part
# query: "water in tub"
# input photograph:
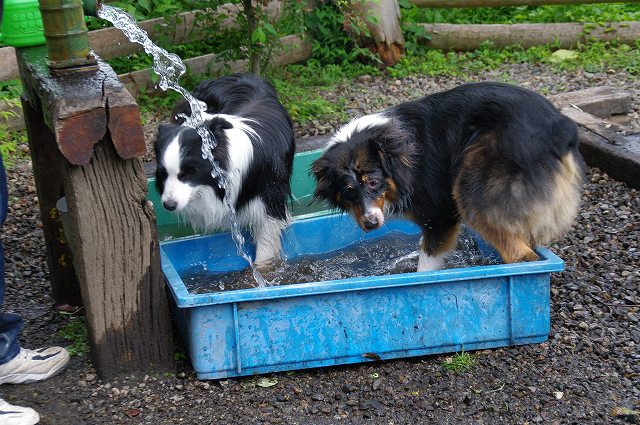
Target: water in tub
(393, 253)
(169, 68)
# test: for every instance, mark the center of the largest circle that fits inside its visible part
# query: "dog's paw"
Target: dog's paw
(430, 262)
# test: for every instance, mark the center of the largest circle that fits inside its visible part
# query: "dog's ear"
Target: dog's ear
(397, 150)
(320, 168)
(181, 108)
(162, 137)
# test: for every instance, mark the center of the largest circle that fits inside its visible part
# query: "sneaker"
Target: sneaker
(33, 365)
(16, 415)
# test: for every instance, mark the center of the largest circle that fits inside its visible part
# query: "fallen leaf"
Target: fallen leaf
(623, 411)
(562, 55)
(132, 412)
(267, 382)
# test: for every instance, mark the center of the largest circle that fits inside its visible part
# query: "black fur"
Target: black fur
(506, 134)
(249, 97)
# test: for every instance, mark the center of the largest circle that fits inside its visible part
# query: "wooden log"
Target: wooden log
(470, 37)
(48, 172)
(294, 49)
(601, 101)
(116, 256)
(614, 152)
(382, 18)
(494, 3)
(112, 229)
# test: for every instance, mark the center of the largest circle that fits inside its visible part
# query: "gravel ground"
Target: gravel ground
(588, 371)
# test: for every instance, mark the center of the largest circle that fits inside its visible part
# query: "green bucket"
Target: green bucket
(22, 23)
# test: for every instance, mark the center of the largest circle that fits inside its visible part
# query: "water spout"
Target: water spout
(66, 34)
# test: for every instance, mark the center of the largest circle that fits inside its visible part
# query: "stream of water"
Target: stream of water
(169, 68)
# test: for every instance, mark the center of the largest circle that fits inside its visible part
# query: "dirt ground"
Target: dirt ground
(587, 372)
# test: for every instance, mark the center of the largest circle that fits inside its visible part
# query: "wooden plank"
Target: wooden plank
(116, 256)
(110, 42)
(608, 147)
(382, 18)
(620, 163)
(599, 101)
(295, 49)
(495, 3)
(471, 36)
(112, 228)
(48, 172)
(8, 63)
(76, 107)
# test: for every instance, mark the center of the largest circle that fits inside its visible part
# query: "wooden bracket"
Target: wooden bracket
(81, 107)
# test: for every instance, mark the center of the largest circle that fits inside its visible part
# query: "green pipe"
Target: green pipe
(66, 33)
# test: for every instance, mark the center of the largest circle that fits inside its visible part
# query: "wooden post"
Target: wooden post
(48, 172)
(382, 18)
(95, 125)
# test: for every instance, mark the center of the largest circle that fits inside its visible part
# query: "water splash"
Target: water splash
(393, 253)
(169, 68)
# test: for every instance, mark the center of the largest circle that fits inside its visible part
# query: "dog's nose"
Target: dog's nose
(169, 205)
(370, 223)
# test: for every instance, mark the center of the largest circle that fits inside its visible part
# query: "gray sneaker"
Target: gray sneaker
(16, 415)
(33, 365)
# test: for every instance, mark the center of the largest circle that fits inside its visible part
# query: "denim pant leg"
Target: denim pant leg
(10, 324)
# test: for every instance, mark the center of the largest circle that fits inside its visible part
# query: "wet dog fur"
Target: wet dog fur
(497, 157)
(255, 145)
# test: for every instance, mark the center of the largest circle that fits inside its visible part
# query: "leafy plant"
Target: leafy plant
(13, 145)
(75, 331)
(334, 29)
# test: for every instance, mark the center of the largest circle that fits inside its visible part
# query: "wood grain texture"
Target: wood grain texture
(471, 36)
(48, 172)
(116, 256)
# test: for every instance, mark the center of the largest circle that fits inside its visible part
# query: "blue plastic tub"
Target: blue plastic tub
(298, 326)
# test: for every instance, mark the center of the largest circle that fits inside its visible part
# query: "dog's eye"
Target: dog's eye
(372, 184)
(184, 173)
(349, 194)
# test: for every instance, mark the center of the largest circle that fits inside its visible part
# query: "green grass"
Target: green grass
(300, 88)
(592, 57)
(75, 331)
(459, 362)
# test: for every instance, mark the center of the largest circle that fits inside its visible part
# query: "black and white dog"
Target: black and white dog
(498, 157)
(255, 145)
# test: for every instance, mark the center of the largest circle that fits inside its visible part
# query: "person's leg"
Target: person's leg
(19, 365)
(9, 323)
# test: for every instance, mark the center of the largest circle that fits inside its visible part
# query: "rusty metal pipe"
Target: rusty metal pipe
(66, 34)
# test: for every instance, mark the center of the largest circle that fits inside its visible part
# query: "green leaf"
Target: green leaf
(267, 382)
(145, 5)
(258, 36)
(562, 55)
